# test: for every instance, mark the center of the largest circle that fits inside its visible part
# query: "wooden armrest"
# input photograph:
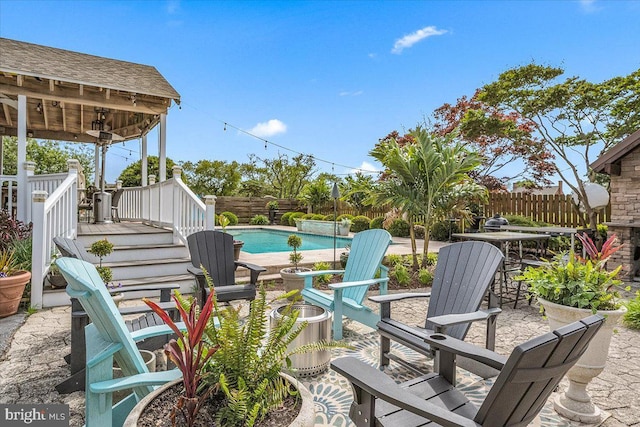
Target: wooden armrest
(248, 265)
(445, 343)
(370, 380)
(195, 271)
(151, 378)
(168, 305)
(345, 285)
(456, 319)
(397, 297)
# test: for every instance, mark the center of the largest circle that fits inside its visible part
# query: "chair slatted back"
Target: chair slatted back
(85, 284)
(115, 197)
(71, 248)
(463, 275)
(213, 250)
(533, 371)
(367, 250)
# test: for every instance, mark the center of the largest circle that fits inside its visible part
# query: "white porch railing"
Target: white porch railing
(52, 216)
(168, 204)
(8, 192)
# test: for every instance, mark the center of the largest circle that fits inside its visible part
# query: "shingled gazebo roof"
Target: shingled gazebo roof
(69, 93)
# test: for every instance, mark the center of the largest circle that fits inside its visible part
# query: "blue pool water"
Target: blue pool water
(261, 240)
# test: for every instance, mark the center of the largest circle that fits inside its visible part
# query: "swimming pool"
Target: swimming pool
(262, 240)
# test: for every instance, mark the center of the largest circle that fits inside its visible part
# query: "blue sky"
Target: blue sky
(326, 78)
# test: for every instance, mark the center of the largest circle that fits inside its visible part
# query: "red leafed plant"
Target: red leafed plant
(609, 247)
(190, 353)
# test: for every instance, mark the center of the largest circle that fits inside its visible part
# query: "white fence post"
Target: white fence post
(38, 255)
(210, 213)
(73, 166)
(178, 206)
(30, 168)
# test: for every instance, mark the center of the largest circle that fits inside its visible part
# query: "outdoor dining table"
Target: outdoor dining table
(503, 239)
(552, 231)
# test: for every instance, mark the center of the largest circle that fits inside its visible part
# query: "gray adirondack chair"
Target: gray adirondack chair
(79, 318)
(365, 259)
(463, 275)
(107, 339)
(527, 378)
(213, 250)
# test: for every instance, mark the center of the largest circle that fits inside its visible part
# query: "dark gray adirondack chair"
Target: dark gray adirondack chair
(213, 250)
(462, 278)
(79, 319)
(526, 380)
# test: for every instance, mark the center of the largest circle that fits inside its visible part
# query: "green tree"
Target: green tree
(283, 177)
(215, 177)
(356, 190)
(421, 175)
(131, 176)
(577, 120)
(49, 156)
(316, 194)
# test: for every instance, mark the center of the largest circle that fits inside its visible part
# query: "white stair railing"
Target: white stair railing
(52, 215)
(8, 192)
(168, 204)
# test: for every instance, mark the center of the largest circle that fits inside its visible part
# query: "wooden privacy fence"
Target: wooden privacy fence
(552, 209)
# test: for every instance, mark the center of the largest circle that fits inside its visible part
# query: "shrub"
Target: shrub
(376, 223)
(419, 231)
(359, 223)
(328, 217)
(393, 259)
(520, 220)
(440, 230)
(401, 274)
(284, 219)
(322, 279)
(307, 216)
(425, 277)
(317, 217)
(292, 218)
(259, 220)
(12, 230)
(294, 241)
(399, 228)
(632, 317)
(432, 258)
(233, 218)
(344, 216)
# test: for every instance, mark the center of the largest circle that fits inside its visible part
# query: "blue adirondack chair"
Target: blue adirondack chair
(107, 339)
(365, 258)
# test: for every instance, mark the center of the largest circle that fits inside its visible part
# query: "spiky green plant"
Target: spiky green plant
(247, 365)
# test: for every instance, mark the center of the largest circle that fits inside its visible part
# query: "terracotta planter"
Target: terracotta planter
(237, 247)
(291, 280)
(575, 403)
(11, 290)
(306, 417)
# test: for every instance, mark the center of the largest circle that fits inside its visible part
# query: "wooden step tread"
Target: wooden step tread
(151, 246)
(137, 263)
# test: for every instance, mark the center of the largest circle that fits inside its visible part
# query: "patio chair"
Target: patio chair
(115, 202)
(107, 339)
(79, 317)
(213, 251)
(463, 275)
(365, 260)
(527, 378)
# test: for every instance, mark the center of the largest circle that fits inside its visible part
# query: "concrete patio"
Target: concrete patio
(33, 362)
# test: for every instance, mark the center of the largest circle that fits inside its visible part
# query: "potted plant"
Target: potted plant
(231, 375)
(290, 279)
(101, 249)
(273, 207)
(570, 288)
(13, 279)
(223, 221)
(344, 226)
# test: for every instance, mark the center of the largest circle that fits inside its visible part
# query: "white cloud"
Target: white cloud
(347, 93)
(413, 38)
(589, 6)
(366, 168)
(270, 128)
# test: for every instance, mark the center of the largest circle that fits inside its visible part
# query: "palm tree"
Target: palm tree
(423, 177)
